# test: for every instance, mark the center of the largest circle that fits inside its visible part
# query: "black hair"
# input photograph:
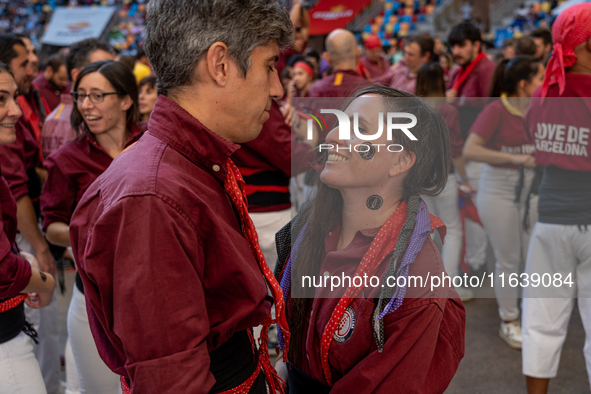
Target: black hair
(122, 80)
(55, 61)
(508, 73)
(314, 54)
(140, 53)
(464, 31)
(128, 61)
(150, 80)
(294, 59)
(430, 81)
(525, 46)
(7, 43)
(425, 42)
(544, 34)
(80, 52)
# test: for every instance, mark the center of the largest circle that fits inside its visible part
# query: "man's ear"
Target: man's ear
(74, 74)
(404, 162)
(217, 62)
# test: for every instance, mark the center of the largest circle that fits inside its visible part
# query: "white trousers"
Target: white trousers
(445, 206)
(93, 375)
(45, 321)
(267, 225)
(503, 221)
(476, 241)
(72, 382)
(555, 249)
(19, 370)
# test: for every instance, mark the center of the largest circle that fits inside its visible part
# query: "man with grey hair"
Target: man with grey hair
(172, 271)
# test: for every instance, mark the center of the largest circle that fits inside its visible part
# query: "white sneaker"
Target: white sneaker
(511, 334)
(465, 294)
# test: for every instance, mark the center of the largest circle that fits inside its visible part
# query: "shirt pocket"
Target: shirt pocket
(353, 338)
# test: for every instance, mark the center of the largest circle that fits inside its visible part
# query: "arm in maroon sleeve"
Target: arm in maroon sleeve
(277, 145)
(142, 264)
(12, 159)
(58, 197)
(421, 353)
(15, 271)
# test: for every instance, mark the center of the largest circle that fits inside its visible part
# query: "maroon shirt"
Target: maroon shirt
(502, 131)
(18, 158)
(476, 84)
(167, 274)
(15, 271)
(376, 69)
(452, 118)
(57, 129)
(49, 91)
(266, 164)
(424, 336)
(70, 171)
(559, 126)
(342, 83)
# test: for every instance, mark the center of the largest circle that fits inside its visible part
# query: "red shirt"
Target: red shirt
(167, 274)
(502, 131)
(424, 337)
(266, 164)
(70, 171)
(560, 125)
(57, 129)
(15, 271)
(49, 91)
(18, 158)
(376, 69)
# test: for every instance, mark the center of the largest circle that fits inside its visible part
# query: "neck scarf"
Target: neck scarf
(234, 185)
(571, 28)
(467, 70)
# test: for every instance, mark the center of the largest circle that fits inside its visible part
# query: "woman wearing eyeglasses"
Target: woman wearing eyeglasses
(105, 117)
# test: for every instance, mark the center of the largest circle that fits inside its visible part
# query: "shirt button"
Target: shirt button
(215, 167)
(326, 273)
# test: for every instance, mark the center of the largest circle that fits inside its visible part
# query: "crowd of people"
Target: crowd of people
(194, 189)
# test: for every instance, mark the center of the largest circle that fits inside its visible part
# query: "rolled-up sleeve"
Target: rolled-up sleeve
(142, 265)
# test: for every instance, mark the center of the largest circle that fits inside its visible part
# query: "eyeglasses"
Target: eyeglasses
(95, 98)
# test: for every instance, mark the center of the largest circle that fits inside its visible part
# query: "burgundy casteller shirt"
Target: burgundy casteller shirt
(167, 274)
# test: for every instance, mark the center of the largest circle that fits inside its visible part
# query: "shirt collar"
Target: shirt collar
(184, 133)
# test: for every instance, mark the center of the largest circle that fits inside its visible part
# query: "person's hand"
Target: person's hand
(286, 112)
(39, 300)
(527, 160)
(47, 262)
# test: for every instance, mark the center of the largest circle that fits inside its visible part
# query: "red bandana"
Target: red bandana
(465, 71)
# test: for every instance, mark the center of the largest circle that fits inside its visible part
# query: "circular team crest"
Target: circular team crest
(346, 326)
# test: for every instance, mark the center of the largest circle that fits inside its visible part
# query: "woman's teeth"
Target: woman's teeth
(8, 125)
(333, 157)
(92, 118)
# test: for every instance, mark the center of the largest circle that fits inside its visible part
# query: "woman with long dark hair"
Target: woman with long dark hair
(368, 220)
(105, 116)
(497, 138)
(19, 273)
